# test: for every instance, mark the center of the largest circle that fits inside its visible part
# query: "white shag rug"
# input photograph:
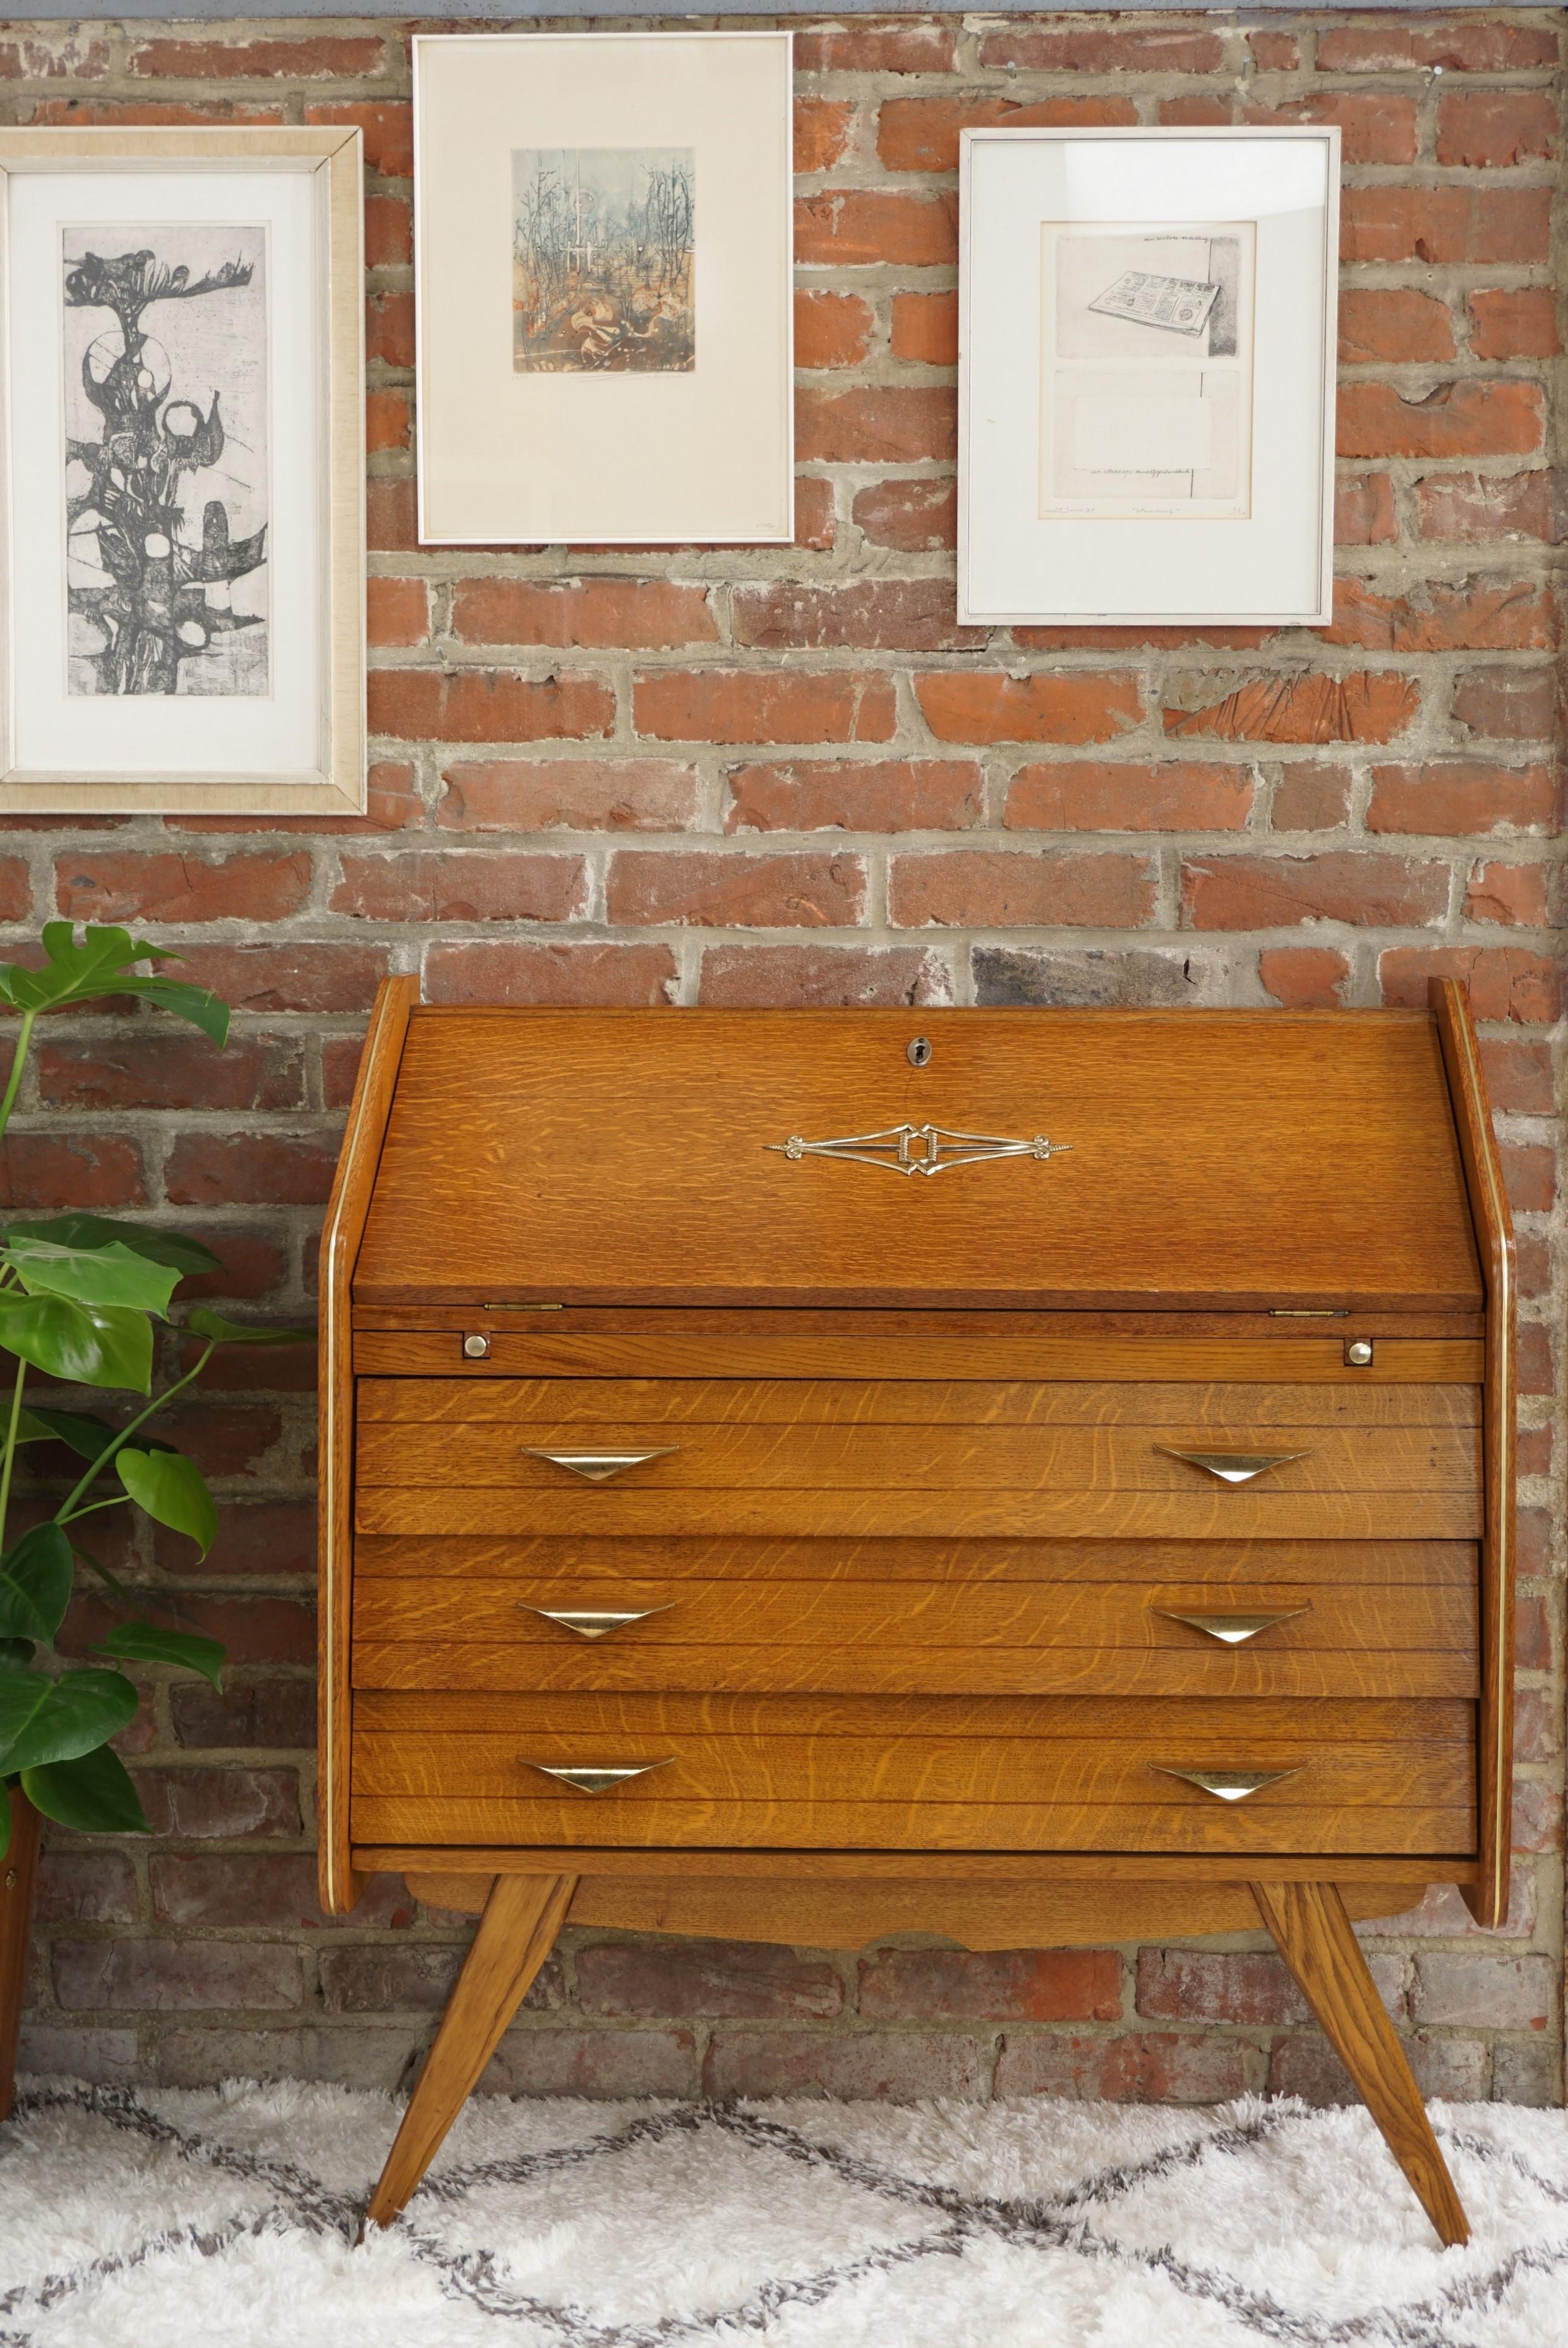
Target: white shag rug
(226, 2218)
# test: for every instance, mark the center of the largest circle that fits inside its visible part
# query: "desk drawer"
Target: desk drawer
(711, 1772)
(1191, 1635)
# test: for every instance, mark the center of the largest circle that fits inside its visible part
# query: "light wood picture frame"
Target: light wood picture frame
(1147, 345)
(605, 312)
(183, 471)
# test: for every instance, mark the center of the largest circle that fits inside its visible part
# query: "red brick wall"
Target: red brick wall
(785, 776)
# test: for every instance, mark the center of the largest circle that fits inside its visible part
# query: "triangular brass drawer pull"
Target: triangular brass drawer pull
(598, 1466)
(1231, 1630)
(1232, 1467)
(602, 1778)
(1226, 1785)
(593, 1621)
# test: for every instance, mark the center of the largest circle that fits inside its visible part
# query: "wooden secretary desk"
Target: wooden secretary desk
(1034, 1477)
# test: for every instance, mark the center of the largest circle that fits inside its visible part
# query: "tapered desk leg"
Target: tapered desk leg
(516, 1931)
(1314, 1935)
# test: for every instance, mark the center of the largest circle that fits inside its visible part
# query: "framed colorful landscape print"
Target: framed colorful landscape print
(1146, 375)
(182, 466)
(602, 279)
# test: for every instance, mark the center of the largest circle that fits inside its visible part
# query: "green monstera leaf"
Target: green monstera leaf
(172, 1490)
(93, 1793)
(177, 1249)
(36, 1585)
(44, 1720)
(148, 1642)
(102, 965)
(109, 1274)
(87, 1344)
(206, 1324)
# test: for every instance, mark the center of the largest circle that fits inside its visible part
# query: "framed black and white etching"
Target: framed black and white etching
(603, 249)
(1146, 375)
(182, 532)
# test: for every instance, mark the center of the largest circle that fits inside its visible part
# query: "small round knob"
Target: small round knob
(475, 1348)
(1358, 1353)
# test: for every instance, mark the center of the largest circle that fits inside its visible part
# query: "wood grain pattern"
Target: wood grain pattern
(516, 1931)
(1219, 1124)
(1312, 1932)
(345, 1215)
(663, 1347)
(937, 1866)
(1494, 1227)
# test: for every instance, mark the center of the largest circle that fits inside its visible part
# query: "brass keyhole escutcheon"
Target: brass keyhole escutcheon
(918, 1052)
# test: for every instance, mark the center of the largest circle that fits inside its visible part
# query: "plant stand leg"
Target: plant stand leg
(516, 1931)
(1312, 1934)
(18, 1876)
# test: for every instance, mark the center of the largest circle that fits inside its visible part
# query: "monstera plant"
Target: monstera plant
(81, 1298)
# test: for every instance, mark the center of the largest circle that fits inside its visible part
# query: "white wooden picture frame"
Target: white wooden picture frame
(603, 256)
(183, 471)
(1146, 375)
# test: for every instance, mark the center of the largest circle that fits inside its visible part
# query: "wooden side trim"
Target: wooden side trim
(345, 1226)
(1488, 1898)
(911, 1866)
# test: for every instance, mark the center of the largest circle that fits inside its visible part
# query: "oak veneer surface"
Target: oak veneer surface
(636, 1159)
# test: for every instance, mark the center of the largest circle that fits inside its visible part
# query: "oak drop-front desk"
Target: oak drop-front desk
(1033, 1477)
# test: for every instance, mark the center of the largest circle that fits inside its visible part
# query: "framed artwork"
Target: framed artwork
(181, 471)
(1146, 375)
(603, 283)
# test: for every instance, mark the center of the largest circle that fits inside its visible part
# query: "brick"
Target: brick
(392, 803)
(389, 329)
(126, 887)
(94, 1172)
(822, 129)
(207, 1170)
(1513, 323)
(753, 977)
(391, 514)
(1390, 223)
(861, 227)
(181, 1071)
(1504, 982)
(897, 47)
(1076, 795)
(145, 113)
(712, 891)
(15, 890)
(1199, 110)
(1533, 1549)
(1488, 130)
(1467, 797)
(1364, 510)
(869, 616)
(1066, 47)
(85, 1887)
(41, 55)
(1275, 52)
(388, 126)
(1062, 977)
(1003, 1985)
(272, 1891)
(1502, 418)
(1304, 978)
(228, 1804)
(1537, 1729)
(641, 613)
(1507, 705)
(1304, 2065)
(1463, 45)
(1369, 706)
(387, 421)
(1478, 508)
(258, 1715)
(1496, 1993)
(916, 517)
(831, 330)
(600, 975)
(855, 795)
(1536, 1353)
(108, 2058)
(1394, 324)
(880, 423)
(1528, 2074)
(1380, 127)
(1248, 892)
(720, 1980)
(1310, 797)
(1537, 1818)
(174, 1976)
(815, 520)
(876, 2066)
(401, 1978)
(484, 705)
(1144, 2067)
(278, 975)
(1204, 1986)
(396, 612)
(920, 134)
(1518, 1077)
(1468, 616)
(597, 2064)
(925, 329)
(986, 889)
(569, 795)
(1073, 706)
(205, 2057)
(763, 705)
(1440, 1914)
(258, 1537)
(388, 232)
(1530, 1176)
(329, 56)
(438, 887)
